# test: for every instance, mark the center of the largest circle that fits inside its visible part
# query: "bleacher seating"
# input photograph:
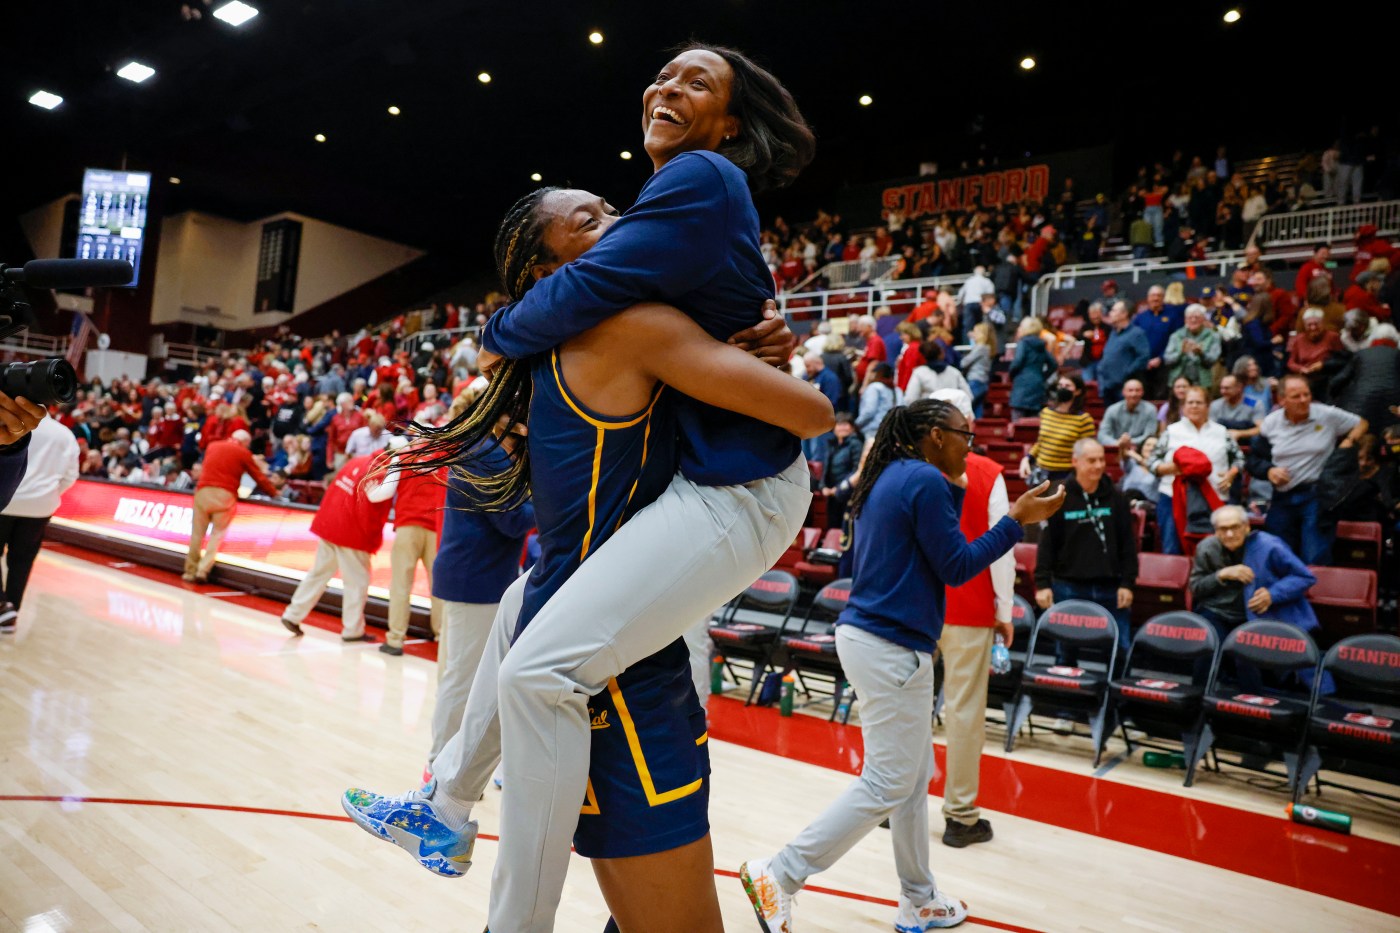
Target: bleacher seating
(1344, 599)
(1358, 544)
(1161, 585)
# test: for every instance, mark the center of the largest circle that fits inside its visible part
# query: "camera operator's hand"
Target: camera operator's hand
(18, 416)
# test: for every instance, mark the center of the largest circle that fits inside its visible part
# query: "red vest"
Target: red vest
(974, 603)
(346, 518)
(420, 500)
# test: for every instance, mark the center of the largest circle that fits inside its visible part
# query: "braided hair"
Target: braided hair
(898, 438)
(463, 443)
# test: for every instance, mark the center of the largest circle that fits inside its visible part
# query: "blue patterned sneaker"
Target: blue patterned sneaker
(410, 822)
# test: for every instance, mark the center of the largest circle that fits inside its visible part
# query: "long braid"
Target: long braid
(464, 443)
(898, 438)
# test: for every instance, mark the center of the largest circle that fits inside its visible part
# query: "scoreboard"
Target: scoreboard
(112, 216)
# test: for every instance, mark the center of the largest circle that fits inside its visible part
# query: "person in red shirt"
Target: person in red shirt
(166, 432)
(1038, 252)
(1368, 246)
(346, 420)
(852, 251)
(350, 526)
(875, 351)
(977, 611)
(883, 241)
(910, 358)
(1365, 294)
(216, 500)
(1314, 267)
(1313, 347)
(418, 506)
(924, 309)
(1261, 282)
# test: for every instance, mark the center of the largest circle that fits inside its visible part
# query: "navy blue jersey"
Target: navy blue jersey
(691, 241)
(588, 474)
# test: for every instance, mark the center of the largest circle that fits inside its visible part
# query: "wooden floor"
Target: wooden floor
(170, 760)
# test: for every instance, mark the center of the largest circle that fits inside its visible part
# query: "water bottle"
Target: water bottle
(1164, 759)
(1326, 819)
(843, 709)
(717, 675)
(789, 688)
(1001, 657)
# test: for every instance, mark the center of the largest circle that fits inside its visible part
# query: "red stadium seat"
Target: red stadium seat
(806, 539)
(1024, 430)
(1344, 599)
(820, 574)
(1025, 570)
(1161, 585)
(1358, 545)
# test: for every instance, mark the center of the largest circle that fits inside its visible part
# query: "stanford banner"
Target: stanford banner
(1007, 183)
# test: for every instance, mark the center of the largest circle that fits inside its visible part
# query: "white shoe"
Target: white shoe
(771, 904)
(1062, 726)
(939, 913)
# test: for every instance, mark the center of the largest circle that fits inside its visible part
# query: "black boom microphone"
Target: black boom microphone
(70, 273)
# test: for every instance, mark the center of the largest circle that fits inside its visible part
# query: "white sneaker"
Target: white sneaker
(937, 914)
(771, 904)
(1062, 726)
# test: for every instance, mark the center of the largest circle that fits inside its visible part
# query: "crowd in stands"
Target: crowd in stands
(1176, 209)
(308, 404)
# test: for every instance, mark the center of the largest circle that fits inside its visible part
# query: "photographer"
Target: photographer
(18, 417)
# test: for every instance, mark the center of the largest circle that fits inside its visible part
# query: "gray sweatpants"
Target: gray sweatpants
(895, 686)
(461, 642)
(678, 560)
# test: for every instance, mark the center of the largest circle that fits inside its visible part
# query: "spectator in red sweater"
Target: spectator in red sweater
(216, 499)
(1313, 347)
(1369, 246)
(1314, 268)
(1038, 260)
(346, 421)
(418, 507)
(910, 358)
(350, 526)
(1365, 295)
(166, 432)
(221, 425)
(875, 351)
(1261, 282)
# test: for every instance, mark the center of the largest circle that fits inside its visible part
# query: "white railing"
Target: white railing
(847, 273)
(189, 354)
(440, 338)
(1136, 270)
(28, 344)
(864, 299)
(1326, 225)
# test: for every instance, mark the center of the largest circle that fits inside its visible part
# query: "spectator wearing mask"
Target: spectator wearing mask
(1239, 575)
(1062, 423)
(1088, 550)
(876, 398)
(350, 528)
(1193, 350)
(1129, 422)
(1030, 368)
(1293, 446)
(1125, 355)
(216, 500)
(51, 469)
(977, 612)
(346, 420)
(1211, 474)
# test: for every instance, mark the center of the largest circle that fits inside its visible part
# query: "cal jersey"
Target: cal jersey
(648, 788)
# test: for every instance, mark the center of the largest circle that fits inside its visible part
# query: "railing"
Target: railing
(189, 354)
(439, 338)
(1135, 270)
(30, 344)
(1326, 225)
(863, 300)
(847, 273)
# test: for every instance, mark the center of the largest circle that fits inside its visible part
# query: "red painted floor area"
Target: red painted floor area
(1349, 868)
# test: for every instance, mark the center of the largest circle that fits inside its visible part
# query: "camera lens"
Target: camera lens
(42, 382)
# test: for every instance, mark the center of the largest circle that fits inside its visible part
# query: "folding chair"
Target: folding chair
(1158, 691)
(1161, 586)
(1001, 688)
(812, 649)
(1345, 601)
(771, 596)
(1271, 723)
(1357, 729)
(1079, 692)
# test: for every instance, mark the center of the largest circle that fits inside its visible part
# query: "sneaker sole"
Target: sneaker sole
(437, 863)
(752, 895)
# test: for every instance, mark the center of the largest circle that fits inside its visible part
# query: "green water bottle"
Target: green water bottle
(789, 688)
(1164, 759)
(1325, 819)
(717, 675)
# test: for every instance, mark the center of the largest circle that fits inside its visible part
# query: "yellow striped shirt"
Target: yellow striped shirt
(1058, 432)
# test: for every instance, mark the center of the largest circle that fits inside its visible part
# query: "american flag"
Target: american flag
(78, 341)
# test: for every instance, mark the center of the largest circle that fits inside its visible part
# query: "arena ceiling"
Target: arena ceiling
(233, 112)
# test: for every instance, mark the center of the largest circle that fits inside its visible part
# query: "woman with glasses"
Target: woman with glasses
(908, 547)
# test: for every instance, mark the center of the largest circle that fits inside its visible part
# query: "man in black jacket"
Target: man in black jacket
(1088, 550)
(842, 458)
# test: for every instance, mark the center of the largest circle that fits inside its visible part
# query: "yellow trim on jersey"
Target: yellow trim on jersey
(646, 448)
(634, 743)
(590, 802)
(597, 423)
(593, 492)
(704, 737)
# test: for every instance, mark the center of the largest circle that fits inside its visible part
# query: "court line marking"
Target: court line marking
(340, 818)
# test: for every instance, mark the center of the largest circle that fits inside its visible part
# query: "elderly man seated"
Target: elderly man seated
(1241, 575)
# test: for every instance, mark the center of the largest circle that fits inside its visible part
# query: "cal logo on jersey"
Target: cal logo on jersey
(598, 721)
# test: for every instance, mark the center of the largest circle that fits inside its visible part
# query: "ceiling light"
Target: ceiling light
(174, 180)
(135, 72)
(1027, 63)
(320, 137)
(235, 13)
(1232, 16)
(866, 100)
(537, 177)
(626, 155)
(45, 99)
(394, 111)
(484, 77)
(595, 37)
